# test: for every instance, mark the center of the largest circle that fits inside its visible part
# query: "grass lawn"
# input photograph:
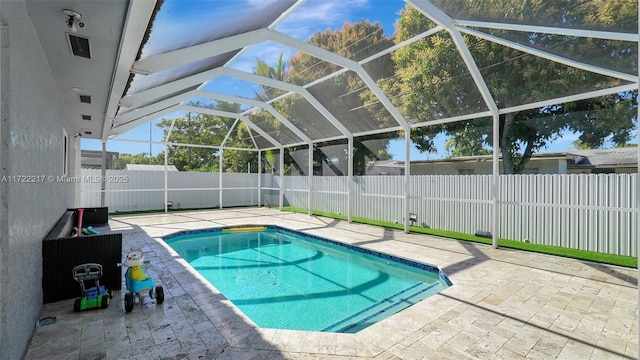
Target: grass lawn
(611, 259)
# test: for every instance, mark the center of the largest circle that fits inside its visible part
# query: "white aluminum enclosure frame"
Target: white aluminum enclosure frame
(153, 103)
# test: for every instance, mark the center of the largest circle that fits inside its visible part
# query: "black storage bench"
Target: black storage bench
(61, 252)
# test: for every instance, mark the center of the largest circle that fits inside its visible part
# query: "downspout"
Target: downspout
(77, 143)
(103, 173)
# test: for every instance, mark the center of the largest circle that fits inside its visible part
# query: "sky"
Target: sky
(177, 20)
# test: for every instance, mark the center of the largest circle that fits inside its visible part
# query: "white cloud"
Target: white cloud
(267, 51)
(317, 15)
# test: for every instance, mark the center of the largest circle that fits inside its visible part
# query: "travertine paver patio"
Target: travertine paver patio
(503, 305)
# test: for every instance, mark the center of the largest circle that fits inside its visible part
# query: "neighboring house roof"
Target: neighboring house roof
(388, 163)
(141, 167)
(616, 157)
(93, 158)
(484, 158)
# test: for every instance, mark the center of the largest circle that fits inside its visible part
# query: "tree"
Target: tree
(198, 129)
(143, 158)
(431, 82)
(470, 141)
(235, 161)
(277, 72)
(338, 94)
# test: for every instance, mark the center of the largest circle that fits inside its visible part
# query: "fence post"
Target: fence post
(496, 182)
(310, 187)
(407, 178)
(281, 196)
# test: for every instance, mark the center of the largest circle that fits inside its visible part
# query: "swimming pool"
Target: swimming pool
(290, 280)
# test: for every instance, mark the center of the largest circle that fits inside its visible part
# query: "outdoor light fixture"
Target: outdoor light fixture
(73, 20)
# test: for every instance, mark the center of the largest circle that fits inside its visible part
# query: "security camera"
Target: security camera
(73, 20)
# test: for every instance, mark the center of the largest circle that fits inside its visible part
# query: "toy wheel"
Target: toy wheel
(152, 293)
(128, 302)
(76, 305)
(104, 302)
(159, 295)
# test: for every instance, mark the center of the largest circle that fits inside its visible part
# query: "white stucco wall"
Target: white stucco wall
(31, 143)
(541, 166)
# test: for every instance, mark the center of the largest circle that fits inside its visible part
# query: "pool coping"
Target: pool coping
(411, 263)
(236, 337)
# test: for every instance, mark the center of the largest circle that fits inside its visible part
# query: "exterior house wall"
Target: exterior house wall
(31, 144)
(619, 170)
(537, 166)
(626, 170)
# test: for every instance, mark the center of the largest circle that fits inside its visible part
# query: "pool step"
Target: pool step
(412, 294)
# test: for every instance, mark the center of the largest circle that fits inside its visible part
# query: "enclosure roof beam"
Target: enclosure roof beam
(205, 50)
(292, 88)
(174, 86)
(606, 35)
(255, 103)
(235, 123)
(124, 127)
(208, 49)
(275, 23)
(193, 53)
(139, 14)
(571, 98)
(344, 62)
(552, 57)
(231, 115)
(442, 19)
(153, 107)
(195, 79)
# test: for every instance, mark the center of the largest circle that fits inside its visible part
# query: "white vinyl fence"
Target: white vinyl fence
(596, 212)
(127, 190)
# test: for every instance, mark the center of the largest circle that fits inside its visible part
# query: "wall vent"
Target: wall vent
(87, 132)
(85, 99)
(86, 117)
(79, 46)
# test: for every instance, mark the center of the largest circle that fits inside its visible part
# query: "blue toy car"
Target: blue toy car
(137, 281)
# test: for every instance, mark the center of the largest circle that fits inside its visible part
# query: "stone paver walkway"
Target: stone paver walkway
(504, 304)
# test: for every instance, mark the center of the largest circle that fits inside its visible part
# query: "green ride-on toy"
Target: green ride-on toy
(94, 295)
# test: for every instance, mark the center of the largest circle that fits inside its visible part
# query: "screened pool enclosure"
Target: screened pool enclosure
(518, 118)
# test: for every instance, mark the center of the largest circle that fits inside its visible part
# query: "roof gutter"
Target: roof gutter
(137, 27)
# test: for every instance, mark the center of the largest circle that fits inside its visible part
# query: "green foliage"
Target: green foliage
(339, 94)
(143, 158)
(236, 161)
(277, 72)
(470, 141)
(204, 129)
(432, 82)
(612, 259)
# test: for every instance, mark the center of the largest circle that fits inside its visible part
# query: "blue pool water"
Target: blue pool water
(284, 279)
